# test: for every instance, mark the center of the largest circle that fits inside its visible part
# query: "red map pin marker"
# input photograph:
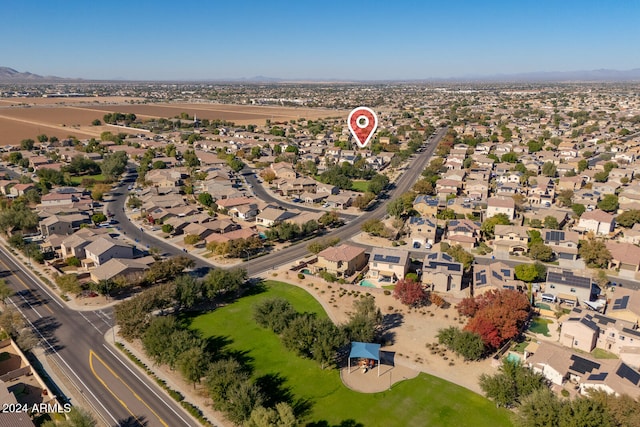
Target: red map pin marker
(362, 123)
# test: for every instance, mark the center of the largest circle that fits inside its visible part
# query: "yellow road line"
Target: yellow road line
(27, 287)
(92, 355)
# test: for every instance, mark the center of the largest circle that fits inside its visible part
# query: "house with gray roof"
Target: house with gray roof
(441, 273)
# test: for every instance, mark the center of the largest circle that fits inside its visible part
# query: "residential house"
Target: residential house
(284, 170)
(426, 205)
(105, 248)
(272, 216)
(341, 261)
(246, 212)
(63, 224)
(339, 201)
(625, 257)
(597, 221)
(422, 231)
(501, 205)
(444, 187)
(510, 239)
(441, 273)
(388, 265)
(130, 269)
(559, 364)
(571, 287)
(21, 189)
(496, 275)
(477, 190)
(625, 305)
(563, 243)
(631, 235)
(463, 232)
(573, 183)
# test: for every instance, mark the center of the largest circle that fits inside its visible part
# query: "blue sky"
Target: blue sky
(165, 40)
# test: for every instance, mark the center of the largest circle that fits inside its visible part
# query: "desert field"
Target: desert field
(239, 114)
(63, 117)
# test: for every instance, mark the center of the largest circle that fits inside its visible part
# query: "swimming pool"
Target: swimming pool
(543, 306)
(367, 284)
(512, 357)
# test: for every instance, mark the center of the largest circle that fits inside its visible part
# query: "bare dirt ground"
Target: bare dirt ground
(81, 100)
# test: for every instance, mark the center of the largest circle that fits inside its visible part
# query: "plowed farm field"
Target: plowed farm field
(65, 117)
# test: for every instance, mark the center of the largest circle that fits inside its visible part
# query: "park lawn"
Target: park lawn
(425, 400)
(77, 180)
(361, 186)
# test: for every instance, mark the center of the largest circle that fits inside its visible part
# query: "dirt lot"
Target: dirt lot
(22, 118)
(239, 114)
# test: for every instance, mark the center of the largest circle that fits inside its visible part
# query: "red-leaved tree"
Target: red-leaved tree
(410, 293)
(498, 315)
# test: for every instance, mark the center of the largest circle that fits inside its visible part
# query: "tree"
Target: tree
(594, 252)
(69, 283)
(583, 164)
(424, 186)
(551, 222)
(467, 344)
(220, 376)
(565, 197)
(27, 144)
(188, 290)
(241, 399)
(274, 313)
(549, 169)
(541, 252)
(461, 255)
(330, 219)
(99, 217)
(6, 291)
(395, 207)
(527, 273)
(628, 218)
(320, 245)
(373, 226)
(377, 183)
(539, 409)
(268, 175)
(192, 239)
(281, 416)
(488, 227)
(155, 337)
(362, 200)
(220, 282)
(365, 321)
(609, 203)
(167, 228)
(77, 417)
(205, 199)
(496, 315)
(511, 384)
(96, 122)
(578, 209)
(410, 293)
(624, 410)
(113, 165)
(192, 364)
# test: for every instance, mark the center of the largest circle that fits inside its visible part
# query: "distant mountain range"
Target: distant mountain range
(8, 75)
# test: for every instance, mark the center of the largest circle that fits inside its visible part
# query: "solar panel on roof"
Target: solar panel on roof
(568, 278)
(481, 278)
(496, 275)
(388, 258)
(621, 303)
(598, 377)
(629, 374)
(582, 365)
(505, 272)
(554, 235)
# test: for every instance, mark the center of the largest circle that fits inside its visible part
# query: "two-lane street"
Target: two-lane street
(74, 341)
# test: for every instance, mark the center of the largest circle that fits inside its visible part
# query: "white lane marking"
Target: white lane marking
(146, 385)
(55, 353)
(19, 265)
(29, 304)
(90, 322)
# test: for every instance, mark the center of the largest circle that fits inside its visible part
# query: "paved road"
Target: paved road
(264, 195)
(74, 341)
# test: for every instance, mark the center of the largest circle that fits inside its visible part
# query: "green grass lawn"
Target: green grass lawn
(423, 401)
(599, 353)
(540, 326)
(361, 186)
(77, 180)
